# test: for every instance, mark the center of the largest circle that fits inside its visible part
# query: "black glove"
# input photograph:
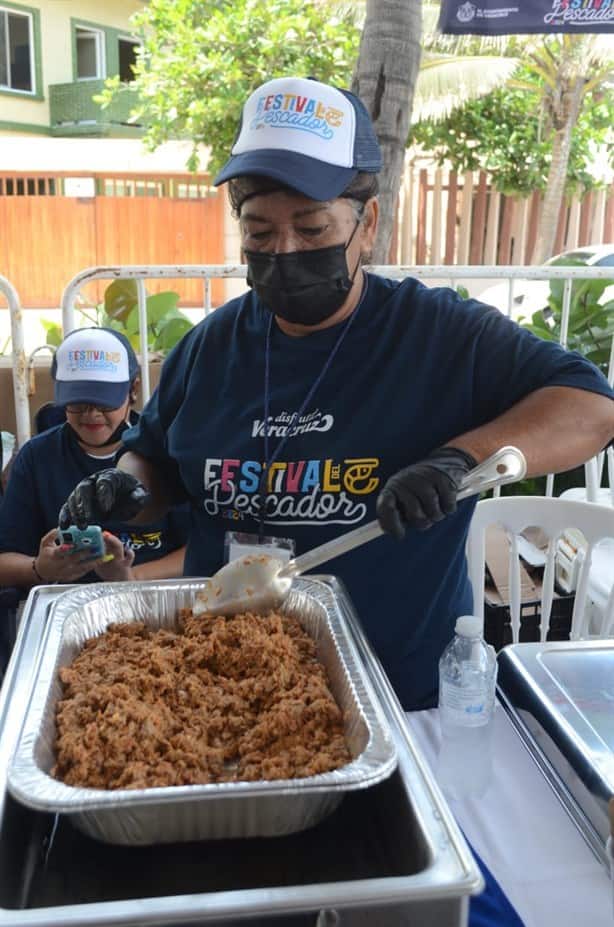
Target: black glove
(424, 493)
(109, 495)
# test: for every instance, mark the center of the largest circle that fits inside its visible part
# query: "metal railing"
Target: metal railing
(452, 275)
(20, 388)
(443, 274)
(206, 272)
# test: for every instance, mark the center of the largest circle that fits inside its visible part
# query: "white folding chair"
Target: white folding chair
(553, 516)
(593, 491)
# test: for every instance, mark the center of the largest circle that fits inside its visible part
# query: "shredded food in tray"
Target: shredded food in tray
(218, 700)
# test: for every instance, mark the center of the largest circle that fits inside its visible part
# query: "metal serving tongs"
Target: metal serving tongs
(260, 582)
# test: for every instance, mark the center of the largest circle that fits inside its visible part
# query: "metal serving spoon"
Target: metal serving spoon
(260, 582)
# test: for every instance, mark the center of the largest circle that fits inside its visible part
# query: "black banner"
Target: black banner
(516, 17)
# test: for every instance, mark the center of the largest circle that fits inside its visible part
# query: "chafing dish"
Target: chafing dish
(389, 855)
(560, 697)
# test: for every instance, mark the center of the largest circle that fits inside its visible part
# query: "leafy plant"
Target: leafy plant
(506, 134)
(166, 325)
(591, 319)
(591, 327)
(200, 60)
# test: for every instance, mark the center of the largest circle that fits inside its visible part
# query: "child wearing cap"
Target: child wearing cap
(96, 375)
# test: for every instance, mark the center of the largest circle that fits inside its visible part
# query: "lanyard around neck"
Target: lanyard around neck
(270, 459)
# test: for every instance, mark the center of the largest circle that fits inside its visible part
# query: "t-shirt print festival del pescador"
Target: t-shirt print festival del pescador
(304, 491)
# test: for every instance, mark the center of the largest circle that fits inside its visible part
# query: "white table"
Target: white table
(525, 837)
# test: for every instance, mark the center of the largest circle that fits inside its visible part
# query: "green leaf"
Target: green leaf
(172, 332)
(119, 298)
(590, 319)
(54, 332)
(538, 321)
(135, 342)
(159, 304)
(131, 322)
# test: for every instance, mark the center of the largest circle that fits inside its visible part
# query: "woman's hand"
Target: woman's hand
(423, 493)
(54, 563)
(118, 568)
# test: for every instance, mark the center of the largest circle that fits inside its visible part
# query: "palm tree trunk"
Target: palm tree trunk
(384, 78)
(557, 176)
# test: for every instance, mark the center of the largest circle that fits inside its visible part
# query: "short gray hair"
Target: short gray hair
(363, 187)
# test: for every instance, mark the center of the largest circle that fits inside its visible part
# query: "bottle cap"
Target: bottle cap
(468, 626)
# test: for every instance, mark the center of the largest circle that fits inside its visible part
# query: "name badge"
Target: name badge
(241, 543)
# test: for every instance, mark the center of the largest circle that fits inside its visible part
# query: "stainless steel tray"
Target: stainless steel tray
(390, 856)
(560, 697)
(195, 812)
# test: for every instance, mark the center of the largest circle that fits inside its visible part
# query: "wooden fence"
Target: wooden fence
(450, 218)
(47, 237)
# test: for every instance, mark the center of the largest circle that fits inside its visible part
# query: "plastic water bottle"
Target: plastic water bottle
(467, 678)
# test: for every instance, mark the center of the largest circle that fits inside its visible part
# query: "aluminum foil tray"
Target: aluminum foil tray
(195, 812)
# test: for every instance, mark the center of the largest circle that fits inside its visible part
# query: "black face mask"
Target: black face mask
(115, 437)
(303, 287)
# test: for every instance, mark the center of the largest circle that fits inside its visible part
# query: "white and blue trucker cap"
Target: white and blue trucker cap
(94, 366)
(308, 136)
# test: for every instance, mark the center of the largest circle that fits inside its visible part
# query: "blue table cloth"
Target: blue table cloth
(491, 908)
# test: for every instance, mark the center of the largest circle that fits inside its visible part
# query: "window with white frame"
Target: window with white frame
(16, 51)
(90, 53)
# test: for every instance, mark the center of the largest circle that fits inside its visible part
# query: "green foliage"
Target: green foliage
(506, 134)
(166, 325)
(200, 60)
(591, 327)
(591, 317)
(590, 332)
(54, 332)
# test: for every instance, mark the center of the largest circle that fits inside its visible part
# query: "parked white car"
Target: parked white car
(532, 295)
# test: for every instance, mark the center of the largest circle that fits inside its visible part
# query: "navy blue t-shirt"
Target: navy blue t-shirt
(418, 367)
(45, 471)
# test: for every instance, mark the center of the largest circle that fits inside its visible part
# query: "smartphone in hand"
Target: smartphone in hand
(83, 540)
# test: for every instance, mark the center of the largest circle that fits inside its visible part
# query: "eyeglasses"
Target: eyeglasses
(78, 408)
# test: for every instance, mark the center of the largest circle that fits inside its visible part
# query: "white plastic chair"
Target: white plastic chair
(594, 491)
(553, 516)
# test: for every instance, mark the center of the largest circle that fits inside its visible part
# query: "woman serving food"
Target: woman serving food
(326, 396)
